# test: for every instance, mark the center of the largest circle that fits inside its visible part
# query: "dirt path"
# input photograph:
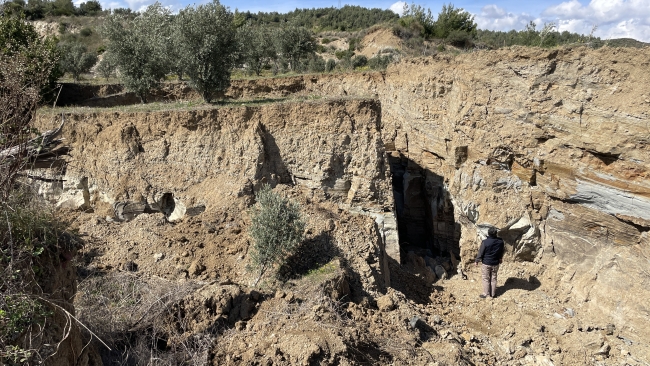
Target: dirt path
(526, 324)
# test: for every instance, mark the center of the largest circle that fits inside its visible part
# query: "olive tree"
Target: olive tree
(138, 45)
(107, 65)
(206, 38)
(276, 228)
(75, 59)
(255, 49)
(293, 44)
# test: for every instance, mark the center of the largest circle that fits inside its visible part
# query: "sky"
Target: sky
(605, 18)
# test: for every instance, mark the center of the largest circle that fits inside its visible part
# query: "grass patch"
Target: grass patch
(192, 105)
(323, 272)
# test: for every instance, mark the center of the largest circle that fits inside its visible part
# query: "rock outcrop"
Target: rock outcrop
(550, 146)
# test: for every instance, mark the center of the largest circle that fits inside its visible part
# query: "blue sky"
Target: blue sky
(608, 18)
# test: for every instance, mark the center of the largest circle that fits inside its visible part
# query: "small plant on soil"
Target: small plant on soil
(277, 228)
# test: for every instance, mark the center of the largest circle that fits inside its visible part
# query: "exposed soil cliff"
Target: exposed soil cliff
(550, 146)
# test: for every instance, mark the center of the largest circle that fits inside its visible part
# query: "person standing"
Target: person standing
(491, 255)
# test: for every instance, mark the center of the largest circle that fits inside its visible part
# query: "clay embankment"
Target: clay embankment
(202, 163)
(550, 146)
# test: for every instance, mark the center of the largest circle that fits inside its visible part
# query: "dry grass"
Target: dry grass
(192, 105)
(135, 316)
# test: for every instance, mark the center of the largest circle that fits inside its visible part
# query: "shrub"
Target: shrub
(76, 60)
(330, 65)
(31, 241)
(325, 41)
(91, 7)
(276, 228)
(354, 44)
(28, 65)
(342, 55)
(316, 64)
(359, 61)
(86, 32)
(380, 62)
(460, 38)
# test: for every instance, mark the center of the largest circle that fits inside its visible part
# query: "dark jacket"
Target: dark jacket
(491, 251)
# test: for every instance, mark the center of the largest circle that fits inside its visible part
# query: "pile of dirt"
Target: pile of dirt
(379, 40)
(330, 303)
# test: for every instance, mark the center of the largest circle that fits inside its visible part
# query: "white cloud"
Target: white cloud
(398, 7)
(613, 18)
(495, 18)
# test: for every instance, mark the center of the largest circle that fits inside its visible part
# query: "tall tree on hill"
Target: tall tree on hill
(452, 19)
(138, 46)
(207, 42)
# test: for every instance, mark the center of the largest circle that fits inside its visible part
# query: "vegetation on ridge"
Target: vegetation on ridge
(32, 240)
(145, 48)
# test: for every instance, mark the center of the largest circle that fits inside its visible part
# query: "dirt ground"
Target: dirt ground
(331, 304)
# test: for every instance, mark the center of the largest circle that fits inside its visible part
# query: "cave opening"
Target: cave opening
(424, 211)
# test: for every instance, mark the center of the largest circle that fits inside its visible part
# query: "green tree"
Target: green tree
(19, 38)
(330, 65)
(107, 65)
(91, 7)
(255, 50)
(76, 59)
(14, 7)
(417, 18)
(454, 19)
(277, 229)
(139, 45)
(61, 7)
(207, 41)
(293, 44)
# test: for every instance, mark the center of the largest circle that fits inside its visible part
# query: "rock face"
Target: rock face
(550, 146)
(179, 162)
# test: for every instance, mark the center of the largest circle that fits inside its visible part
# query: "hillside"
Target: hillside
(399, 174)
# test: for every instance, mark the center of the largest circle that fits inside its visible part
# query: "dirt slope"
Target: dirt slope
(550, 146)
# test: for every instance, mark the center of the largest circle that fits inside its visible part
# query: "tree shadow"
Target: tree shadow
(414, 287)
(311, 254)
(369, 353)
(514, 283)
(273, 170)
